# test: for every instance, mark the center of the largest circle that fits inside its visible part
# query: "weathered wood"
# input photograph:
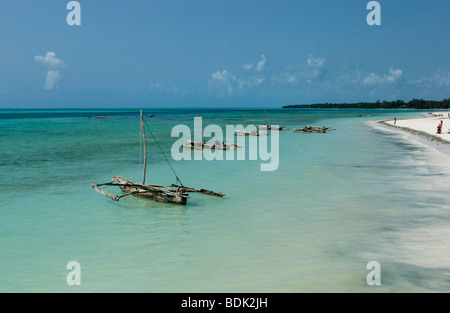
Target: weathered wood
(210, 146)
(123, 182)
(105, 193)
(174, 193)
(159, 194)
(203, 191)
(193, 145)
(312, 129)
(241, 132)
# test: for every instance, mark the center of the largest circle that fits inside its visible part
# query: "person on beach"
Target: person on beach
(439, 129)
(395, 120)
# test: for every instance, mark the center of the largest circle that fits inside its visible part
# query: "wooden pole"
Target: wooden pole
(105, 193)
(245, 115)
(267, 120)
(145, 147)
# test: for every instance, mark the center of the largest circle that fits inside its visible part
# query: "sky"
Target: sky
(221, 53)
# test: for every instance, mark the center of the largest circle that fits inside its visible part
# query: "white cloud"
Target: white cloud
(247, 67)
(227, 83)
(221, 76)
(259, 66)
(52, 80)
(291, 79)
(257, 81)
(53, 63)
(309, 72)
(223, 80)
(439, 79)
(373, 79)
(392, 77)
(49, 60)
(161, 88)
(286, 77)
(318, 62)
(261, 63)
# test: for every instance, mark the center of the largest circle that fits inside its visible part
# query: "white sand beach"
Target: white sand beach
(427, 125)
(421, 130)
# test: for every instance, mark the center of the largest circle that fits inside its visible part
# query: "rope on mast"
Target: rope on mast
(162, 152)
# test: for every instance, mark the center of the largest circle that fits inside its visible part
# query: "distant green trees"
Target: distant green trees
(419, 104)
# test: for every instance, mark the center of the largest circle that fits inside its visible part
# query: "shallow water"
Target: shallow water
(336, 202)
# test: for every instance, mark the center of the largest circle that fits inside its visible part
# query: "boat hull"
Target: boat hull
(312, 129)
(210, 146)
(153, 193)
(266, 127)
(249, 133)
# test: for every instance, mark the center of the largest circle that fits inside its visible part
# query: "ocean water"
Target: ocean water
(336, 202)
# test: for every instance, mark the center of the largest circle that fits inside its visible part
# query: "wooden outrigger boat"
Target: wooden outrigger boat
(311, 129)
(208, 145)
(211, 146)
(176, 193)
(271, 127)
(245, 132)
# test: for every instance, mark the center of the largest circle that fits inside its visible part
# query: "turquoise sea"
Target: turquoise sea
(336, 202)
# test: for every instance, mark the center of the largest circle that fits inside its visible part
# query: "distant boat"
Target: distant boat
(245, 132)
(177, 194)
(271, 127)
(100, 117)
(208, 146)
(311, 129)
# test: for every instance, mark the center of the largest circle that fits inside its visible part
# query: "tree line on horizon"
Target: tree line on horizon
(417, 104)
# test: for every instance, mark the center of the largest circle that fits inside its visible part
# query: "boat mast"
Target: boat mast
(145, 148)
(303, 118)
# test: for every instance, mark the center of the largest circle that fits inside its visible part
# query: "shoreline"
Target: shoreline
(426, 126)
(421, 130)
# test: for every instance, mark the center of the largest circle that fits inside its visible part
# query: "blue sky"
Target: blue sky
(217, 53)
